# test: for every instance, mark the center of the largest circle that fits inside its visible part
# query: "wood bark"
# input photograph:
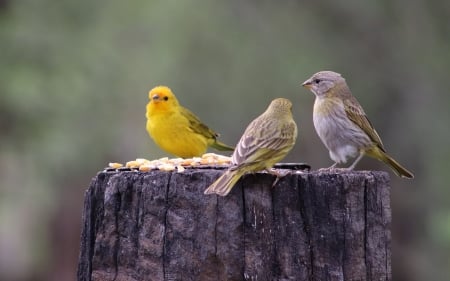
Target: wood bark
(309, 226)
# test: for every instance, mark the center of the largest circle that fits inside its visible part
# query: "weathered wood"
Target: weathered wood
(160, 226)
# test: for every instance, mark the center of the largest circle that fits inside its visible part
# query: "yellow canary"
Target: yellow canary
(266, 141)
(343, 126)
(177, 130)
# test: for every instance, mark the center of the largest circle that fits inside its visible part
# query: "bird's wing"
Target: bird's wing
(263, 140)
(357, 116)
(196, 125)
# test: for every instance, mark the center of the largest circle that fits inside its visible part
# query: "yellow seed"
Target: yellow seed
(115, 165)
(164, 159)
(186, 162)
(166, 167)
(223, 161)
(146, 168)
(207, 155)
(132, 164)
(170, 164)
(142, 161)
(205, 161)
(196, 161)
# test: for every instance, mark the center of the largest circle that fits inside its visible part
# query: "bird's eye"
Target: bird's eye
(166, 98)
(317, 81)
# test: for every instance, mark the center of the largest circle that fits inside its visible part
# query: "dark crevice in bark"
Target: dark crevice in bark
(344, 231)
(91, 229)
(117, 241)
(306, 225)
(215, 226)
(365, 227)
(244, 234)
(166, 209)
(137, 214)
(275, 264)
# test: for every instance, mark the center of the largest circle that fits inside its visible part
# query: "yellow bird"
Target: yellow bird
(266, 141)
(176, 129)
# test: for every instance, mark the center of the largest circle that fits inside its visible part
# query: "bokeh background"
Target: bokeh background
(74, 78)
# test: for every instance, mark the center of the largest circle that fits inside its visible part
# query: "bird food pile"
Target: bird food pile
(171, 164)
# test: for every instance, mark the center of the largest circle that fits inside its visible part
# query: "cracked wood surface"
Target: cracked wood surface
(160, 226)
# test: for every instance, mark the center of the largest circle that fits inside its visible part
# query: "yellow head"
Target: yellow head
(161, 100)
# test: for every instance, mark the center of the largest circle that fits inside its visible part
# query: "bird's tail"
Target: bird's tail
(398, 169)
(223, 185)
(221, 146)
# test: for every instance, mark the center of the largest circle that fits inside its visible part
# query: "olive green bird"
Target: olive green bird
(266, 141)
(342, 124)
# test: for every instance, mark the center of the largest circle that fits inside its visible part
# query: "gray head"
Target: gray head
(321, 82)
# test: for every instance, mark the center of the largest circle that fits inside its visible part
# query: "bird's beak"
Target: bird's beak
(155, 98)
(307, 84)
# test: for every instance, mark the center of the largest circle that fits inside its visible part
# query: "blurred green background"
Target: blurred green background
(74, 78)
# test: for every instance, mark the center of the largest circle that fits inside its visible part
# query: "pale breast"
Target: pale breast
(341, 136)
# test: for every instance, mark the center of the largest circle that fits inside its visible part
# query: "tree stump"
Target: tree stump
(312, 226)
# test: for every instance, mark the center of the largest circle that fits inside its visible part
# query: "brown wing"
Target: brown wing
(356, 115)
(264, 140)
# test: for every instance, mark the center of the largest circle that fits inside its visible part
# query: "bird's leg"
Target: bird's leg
(361, 154)
(277, 174)
(329, 168)
(332, 166)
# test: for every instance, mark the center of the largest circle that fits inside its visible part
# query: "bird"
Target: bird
(342, 124)
(177, 130)
(267, 140)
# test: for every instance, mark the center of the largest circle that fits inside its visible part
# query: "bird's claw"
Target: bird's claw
(278, 175)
